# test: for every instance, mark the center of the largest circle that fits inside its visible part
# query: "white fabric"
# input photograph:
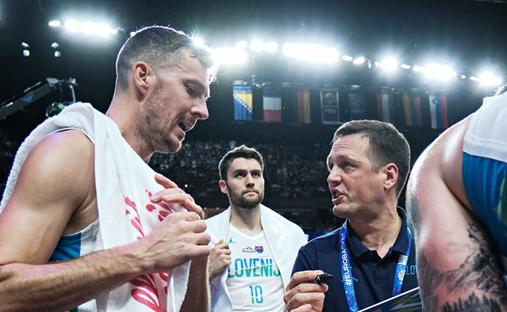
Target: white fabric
(253, 279)
(284, 239)
(123, 182)
(487, 130)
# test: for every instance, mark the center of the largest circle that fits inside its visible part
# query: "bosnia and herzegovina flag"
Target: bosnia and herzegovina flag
(271, 104)
(438, 111)
(242, 101)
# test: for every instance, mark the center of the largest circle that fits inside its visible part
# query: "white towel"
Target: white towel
(124, 183)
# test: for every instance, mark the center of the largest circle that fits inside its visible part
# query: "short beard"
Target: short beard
(242, 202)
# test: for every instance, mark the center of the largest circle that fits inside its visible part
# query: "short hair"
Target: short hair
(158, 46)
(242, 151)
(386, 145)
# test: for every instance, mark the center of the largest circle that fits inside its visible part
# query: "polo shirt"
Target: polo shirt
(373, 276)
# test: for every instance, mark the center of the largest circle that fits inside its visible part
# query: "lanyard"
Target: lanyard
(346, 269)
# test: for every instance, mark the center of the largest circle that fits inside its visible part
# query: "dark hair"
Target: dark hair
(238, 152)
(387, 145)
(157, 46)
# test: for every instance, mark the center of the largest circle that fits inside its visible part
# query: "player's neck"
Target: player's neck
(379, 233)
(247, 220)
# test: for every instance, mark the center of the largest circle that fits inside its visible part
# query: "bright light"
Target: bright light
(26, 53)
(241, 44)
(57, 54)
(55, 23)
(417, 68)
(25, 45)
(270, 47)
(473, 78)
(463, 77)
(389, 64)
(89, 28)
(312, 53)
(229, 56)
(439, 72)
(347, 58)
(490, 79)
(55, 45)
(198, 41)
(359, 60)
(405, 66)
(257, 45)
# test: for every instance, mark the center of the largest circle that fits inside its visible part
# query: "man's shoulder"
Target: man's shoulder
(324, 241)
(275, 216)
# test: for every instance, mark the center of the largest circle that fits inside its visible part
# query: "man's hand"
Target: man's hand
(173, 194)
(179, 237)
(303, 294)
(219, 259)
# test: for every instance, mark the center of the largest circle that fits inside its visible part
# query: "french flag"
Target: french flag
(272, 104)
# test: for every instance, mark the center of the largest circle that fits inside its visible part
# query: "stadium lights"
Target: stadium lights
(417, 68)
(489, 79)
(229, 56)
(86, 27)
(359, 60)
(405, 66)
(55, 23)
(258, 45)
(347, 58)
(388, 64)
(439, 72)
(312, 53)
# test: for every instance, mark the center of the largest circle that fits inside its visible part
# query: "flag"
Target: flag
(358, 105)
(438, 111)
(412, 110)
(272, 104)
(303, 105)
(385, 103)
(329, 104)
(242, 101)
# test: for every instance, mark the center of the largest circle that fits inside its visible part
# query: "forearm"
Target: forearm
(62, 286)
(197, 298)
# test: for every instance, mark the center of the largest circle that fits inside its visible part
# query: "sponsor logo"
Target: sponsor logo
(248, 249)
(259, 249)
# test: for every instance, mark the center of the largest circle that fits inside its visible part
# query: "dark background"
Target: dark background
(469, 34)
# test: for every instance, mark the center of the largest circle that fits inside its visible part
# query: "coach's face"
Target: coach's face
(356, 188)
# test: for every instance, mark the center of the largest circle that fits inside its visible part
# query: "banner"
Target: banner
(385, 103)
(242, 101)
(329, 104)
(303, 105)
(271, 104)
(358, 106)
(412, 110)
(438, 111)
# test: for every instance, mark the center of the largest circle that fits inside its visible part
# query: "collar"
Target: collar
(400, 245)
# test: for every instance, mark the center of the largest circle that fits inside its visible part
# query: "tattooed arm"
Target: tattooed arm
(458, 267)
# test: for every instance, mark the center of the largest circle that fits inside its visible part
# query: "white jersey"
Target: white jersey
(253, 279)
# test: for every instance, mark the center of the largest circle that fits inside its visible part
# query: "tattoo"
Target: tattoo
(473, 303)
(479, 272)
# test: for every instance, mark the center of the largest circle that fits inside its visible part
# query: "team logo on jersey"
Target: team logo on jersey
(259, 249)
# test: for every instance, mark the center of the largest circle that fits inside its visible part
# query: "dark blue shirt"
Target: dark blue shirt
(373, 276)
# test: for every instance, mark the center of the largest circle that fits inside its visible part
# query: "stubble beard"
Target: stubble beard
(149, 129)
